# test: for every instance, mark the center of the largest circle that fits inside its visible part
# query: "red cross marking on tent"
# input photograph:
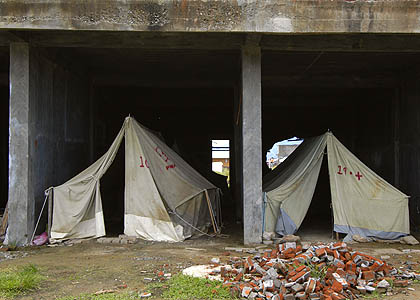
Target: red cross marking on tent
(358, 175)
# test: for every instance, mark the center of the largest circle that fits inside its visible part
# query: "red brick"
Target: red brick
(368, 275)
(336, 286)
(350, 266)
(336, 296)
(347, 256)
(320, 252)
(376, 266)
(401, 283)
(297, 276)
(239, 276)
(300, 268)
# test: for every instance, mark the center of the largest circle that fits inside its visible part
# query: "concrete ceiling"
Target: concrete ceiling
(332, 69)
(221, 68)
(154, 67)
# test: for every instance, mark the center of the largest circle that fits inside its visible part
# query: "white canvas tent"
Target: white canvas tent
(363, 203)
(165, 199)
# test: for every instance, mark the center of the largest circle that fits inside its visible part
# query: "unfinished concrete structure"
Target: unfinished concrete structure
(278, 68)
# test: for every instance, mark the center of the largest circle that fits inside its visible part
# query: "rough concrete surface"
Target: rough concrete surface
(227, 15)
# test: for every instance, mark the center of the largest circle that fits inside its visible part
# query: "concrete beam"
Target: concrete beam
(251, 134)
(201, 15)
(369, 42)
(7, 37)
(21, 197)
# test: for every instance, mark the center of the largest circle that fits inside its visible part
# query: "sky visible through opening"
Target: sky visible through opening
(281, 150)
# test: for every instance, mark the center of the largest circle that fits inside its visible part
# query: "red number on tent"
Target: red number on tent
(164, 157)
(156, 149)
(170, 167)
(339, 170)
(142, 164)
(345, 170)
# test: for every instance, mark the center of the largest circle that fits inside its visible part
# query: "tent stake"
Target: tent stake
(211, 211)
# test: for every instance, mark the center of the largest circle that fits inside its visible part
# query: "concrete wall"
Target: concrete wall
(284, 16)
(60, 122)
(58, 134)
(4, 143)
(408, 144)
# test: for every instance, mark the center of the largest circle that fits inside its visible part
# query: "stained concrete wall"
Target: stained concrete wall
(408, 142)
(60, 122)
(285, 16)
(4, 143)
(58, 134)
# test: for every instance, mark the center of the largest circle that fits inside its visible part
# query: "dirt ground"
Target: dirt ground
(90, 267)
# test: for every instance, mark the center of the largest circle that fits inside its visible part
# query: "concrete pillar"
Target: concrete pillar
(251, 142)
(21, 197)
(236, 157)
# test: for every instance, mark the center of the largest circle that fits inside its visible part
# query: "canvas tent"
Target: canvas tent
(363, 203)
(165, 199)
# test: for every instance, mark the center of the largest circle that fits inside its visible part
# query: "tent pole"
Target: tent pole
(332, 221)
(39, 218)
(211, 211)
(50, 204)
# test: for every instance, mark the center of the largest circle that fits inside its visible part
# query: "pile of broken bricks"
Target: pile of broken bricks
(323, 271)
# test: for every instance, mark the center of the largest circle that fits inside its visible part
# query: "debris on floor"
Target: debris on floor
(406, 240)
(101, 292)
(9, 252)
(321, 271)
(121, 239)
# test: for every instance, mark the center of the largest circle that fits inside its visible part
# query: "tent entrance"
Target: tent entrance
(318, 222)
(112, 192)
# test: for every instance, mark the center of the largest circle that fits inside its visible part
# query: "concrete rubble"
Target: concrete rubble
(331, 271)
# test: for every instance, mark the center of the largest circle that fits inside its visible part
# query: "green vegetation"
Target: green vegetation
(14, 282)
(374, 295)
(186, 287)
(123, 296)
(316, 271)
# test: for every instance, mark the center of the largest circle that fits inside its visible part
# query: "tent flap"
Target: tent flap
(290, 187)
(361, 198)
(77, 204)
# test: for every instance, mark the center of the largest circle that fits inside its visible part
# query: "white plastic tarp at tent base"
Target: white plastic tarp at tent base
(165, 199)
(363, 203)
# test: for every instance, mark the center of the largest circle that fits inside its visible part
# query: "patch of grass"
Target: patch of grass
(14, 282)
(123, 296)
(374, 295)
(182, 287)
(316, 271)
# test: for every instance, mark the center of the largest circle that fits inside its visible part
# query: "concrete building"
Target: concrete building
(70, 71)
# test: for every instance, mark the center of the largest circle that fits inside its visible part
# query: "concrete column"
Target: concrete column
(251, 142)
(236, 157)
(21, 198)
